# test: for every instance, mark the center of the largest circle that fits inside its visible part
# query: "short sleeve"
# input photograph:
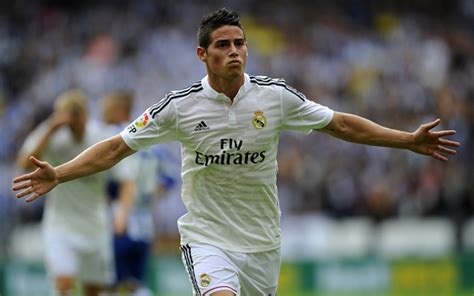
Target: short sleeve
(301, 114)
(156, 125)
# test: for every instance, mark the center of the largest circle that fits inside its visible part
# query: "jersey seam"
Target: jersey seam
(177, 121)
(283, 118)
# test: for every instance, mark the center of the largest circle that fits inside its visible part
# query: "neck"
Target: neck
(229, 87)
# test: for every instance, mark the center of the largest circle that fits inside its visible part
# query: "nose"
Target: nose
(233, 50)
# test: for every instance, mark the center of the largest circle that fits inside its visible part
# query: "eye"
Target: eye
(239, 43)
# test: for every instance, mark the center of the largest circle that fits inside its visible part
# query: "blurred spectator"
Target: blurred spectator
(132, 209)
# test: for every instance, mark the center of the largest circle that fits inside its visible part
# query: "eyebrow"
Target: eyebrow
(228, 40)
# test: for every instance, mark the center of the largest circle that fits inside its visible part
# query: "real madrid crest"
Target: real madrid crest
(205, 280)
(259, 121)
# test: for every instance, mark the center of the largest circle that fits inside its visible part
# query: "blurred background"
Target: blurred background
(356, 220)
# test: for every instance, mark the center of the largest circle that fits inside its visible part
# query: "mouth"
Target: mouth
(235, 62)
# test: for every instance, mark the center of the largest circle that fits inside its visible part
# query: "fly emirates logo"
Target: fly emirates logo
(234, 157)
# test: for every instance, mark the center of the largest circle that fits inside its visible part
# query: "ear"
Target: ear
(201, 53)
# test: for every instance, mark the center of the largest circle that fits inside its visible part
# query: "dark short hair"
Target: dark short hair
(214, 21)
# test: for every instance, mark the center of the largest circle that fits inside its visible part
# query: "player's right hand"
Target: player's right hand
(37, 183)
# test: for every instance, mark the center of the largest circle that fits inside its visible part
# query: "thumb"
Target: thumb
(432, 124)
(38, 163)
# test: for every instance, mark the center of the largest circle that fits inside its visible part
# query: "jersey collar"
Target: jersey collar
(212, 94)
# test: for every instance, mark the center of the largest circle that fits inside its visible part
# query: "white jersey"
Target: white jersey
(229, 152)
(77, 206)
(142, 168)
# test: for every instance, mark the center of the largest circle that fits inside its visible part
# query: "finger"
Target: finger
(23, 178)
(446, 150)
(21, 186)
(36, 162)
(32, 197)
(449, 143)
(25, 192)
(439, 156)
(444, 133)
(432, 124)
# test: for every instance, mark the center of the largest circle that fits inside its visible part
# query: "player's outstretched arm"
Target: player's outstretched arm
(424, 141)
(94, 159)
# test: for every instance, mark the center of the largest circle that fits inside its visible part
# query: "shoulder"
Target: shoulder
(42, 127)
(266, 81)
(276, 83)
(98, 130)
(94, 125)
(176, 96)
(33, 136)
(185, 92)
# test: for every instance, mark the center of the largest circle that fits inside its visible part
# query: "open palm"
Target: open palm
(433, 143)
(36, 183)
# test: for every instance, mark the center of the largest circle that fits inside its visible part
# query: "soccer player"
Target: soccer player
(76, 229)
(228, 125)
(132, 210)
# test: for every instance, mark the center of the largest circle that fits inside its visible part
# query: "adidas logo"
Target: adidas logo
(202, 126)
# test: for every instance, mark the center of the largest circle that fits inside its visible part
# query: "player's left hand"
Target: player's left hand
(433, 143)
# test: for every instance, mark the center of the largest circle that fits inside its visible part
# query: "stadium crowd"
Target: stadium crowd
(398, 67)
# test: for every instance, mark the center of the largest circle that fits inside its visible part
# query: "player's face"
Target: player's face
(226, 56)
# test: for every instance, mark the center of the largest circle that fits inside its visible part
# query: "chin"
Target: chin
(235, 73)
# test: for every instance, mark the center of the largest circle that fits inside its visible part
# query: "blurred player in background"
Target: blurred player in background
(75, 224)
(132, 209)
(228, 125)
